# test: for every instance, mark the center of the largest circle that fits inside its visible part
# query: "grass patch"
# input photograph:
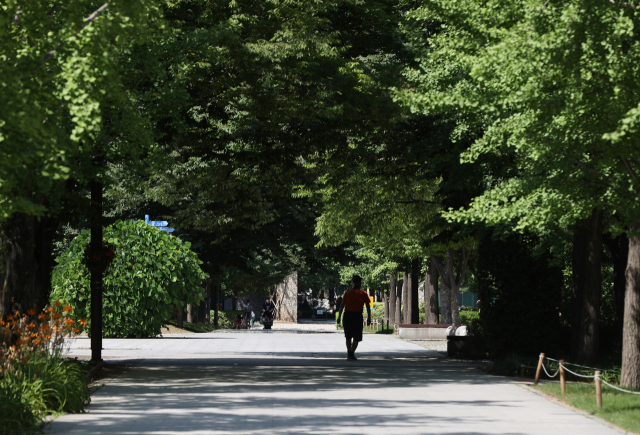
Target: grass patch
(196, 327)
(619, 408)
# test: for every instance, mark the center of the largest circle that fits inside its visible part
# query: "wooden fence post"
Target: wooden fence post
(537, 379)
(598, 390)
(562, 382)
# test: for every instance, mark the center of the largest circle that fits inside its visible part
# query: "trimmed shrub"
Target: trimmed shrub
(152, 275)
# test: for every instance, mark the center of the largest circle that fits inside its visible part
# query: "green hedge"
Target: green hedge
(227, 319)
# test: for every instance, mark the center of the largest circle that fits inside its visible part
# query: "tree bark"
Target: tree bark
(451, 283)
(385, 304)
(26, 255)
(216, 302)
(445, 295)
(431, 294)
(392, 299)
(406, 300)
(587, 264)
(454, 287)
(204, 312)
(192, 314)
(630, 377)
(96, 275)
(399, 287)
(415, 297)
(179, 318)
(619, 248)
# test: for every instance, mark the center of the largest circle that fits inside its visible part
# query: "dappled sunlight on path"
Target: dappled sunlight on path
(302, 384)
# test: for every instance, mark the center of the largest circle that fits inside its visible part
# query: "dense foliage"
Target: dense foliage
(520, 296)
(151, 277)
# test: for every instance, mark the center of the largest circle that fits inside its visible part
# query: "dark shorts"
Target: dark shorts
(352, 324)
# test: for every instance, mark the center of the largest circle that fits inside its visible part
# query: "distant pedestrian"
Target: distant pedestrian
(338, 303)
(238, 321)
(268, 308)
(253, 318)
(352, 304)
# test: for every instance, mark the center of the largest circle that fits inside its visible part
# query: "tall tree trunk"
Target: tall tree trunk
(451, 282)
(204, 315)
(385, 302)
(96, 275)
(415, 282)
(431, 294)
(399, 287)
(631, 334)
(216, 303)
(234, 301)
(406, 300)
(619, 248)
(454, 288)
(180, 318)
(445, 305)
(192, 314)
(445, 296)
(587, 263)
(26, 256)
(392, 299)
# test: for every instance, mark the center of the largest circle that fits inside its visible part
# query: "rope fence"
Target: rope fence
(562, 368)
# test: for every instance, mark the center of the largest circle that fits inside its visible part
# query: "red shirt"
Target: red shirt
(355, 299)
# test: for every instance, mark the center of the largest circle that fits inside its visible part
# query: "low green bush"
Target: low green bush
(151, 276)
(227, 319)
(467, 317)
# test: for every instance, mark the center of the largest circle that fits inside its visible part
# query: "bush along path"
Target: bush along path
(35, 379)
(151, 277)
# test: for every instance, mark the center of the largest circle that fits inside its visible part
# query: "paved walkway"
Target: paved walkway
(301, 383)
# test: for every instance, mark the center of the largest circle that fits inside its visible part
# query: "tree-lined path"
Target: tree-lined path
(301, 383)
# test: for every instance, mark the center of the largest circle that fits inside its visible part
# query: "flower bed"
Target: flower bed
(35, 378)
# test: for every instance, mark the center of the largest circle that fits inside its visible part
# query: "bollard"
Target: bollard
(598, 390)
(562, 383)
(523, 370)
(537, 379)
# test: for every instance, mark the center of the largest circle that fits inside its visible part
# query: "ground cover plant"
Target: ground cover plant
(151, 277)
(35, 378)
(619, 408)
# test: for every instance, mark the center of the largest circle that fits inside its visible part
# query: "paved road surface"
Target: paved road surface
(301, 383)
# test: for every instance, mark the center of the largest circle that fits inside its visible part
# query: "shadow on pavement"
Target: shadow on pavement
(231, 399)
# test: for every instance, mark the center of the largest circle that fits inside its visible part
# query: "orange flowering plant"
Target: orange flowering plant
(35, 377)
(25, 334)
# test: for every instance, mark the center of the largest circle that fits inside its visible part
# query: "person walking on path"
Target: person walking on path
(352, 303)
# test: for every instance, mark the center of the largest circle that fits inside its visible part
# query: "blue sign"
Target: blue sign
(161, 225)
(158, 223)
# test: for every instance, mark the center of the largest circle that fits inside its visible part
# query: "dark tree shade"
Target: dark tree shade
(520, 295)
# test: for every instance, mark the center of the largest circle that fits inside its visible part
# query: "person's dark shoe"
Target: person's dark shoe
(352, 356)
